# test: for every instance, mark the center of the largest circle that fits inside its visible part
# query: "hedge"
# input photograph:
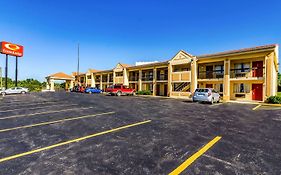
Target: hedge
(274, 99)
(145, 92)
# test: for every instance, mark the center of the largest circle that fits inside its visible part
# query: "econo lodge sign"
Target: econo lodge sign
(11, 49)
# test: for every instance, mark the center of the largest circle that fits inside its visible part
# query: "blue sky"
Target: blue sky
(128, 31)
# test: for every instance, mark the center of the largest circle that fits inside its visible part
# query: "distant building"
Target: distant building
(244, 74)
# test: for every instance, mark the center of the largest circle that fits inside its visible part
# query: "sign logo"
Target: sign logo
(11, 49)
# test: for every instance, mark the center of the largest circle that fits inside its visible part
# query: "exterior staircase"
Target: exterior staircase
(183, 87)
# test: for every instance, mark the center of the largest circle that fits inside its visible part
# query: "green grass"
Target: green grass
(279, 94)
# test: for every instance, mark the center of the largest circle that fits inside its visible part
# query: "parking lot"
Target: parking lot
(73, 133)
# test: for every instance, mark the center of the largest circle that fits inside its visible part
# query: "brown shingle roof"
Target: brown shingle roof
(270, 46)
(93, 70)
(75, 73)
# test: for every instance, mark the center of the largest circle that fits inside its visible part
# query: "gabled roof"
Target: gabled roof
(125, 65)
(75, 73)
(61, 75)
(258, 48)
(93, 70)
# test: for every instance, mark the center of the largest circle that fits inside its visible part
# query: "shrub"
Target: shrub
(145, 92)
(274, 99)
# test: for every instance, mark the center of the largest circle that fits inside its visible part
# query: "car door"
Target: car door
(18, 90)
(11, 91)
(215, 95)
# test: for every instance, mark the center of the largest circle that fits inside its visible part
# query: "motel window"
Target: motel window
(119, 74)
(241, 88)
(151, 87)
(242, 67)
(219, 69)
(219, 87)
(89, 77)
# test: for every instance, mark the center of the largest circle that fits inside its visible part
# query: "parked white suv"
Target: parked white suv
(15, 90)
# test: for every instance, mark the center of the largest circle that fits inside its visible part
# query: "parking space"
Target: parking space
(72, 133)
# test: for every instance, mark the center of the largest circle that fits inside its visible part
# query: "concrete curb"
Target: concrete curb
(255, 103)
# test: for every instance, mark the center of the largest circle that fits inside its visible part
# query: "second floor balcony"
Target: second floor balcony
(162, 77)
(133, 78)
(119, 80)
(247, 72)
(147, 78)
(181, 76)
(216, 74)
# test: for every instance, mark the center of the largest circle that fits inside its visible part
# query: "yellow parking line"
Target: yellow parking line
(256, 107)
(56, 121)
(46, 112)
(72, 141)
(191, 159)
(40, 107)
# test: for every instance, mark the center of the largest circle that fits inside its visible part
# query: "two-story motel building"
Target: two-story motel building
(245, 74)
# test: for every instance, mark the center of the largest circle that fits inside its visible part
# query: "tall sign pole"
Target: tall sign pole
(13, 50)
(1, 78)
(6, 73)
(78, 62)
(16, 71)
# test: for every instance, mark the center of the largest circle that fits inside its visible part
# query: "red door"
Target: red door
(209, 85)
(257, 70)
(257, 92)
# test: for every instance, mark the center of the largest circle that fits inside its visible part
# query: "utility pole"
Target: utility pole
(78, 60)
(1, 78)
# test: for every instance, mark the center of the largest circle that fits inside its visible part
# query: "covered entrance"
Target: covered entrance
(69, 80)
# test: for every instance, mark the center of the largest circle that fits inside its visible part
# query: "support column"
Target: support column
(125, 77)
(169, 80)
(193, 75)
(71, 84)
(140, 80)
(52, 85)
(108, 80)
(48, 84)
(114, 75)
(154, 81)
(226, 80)
(268, 73)
(101, 82)
(93, 80)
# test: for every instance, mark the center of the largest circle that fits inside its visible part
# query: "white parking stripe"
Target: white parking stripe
(40, 107)
(216, 104)
(38, 113)
(27, 104)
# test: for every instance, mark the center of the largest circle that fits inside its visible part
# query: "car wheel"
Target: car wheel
(3, 93)
(90, 92)
(212, 101)
(23, 92)
(118, 93)
(134, 94)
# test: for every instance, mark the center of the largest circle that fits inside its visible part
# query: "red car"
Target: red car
(120, 90)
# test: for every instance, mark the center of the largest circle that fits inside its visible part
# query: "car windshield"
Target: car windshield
(202, 90)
